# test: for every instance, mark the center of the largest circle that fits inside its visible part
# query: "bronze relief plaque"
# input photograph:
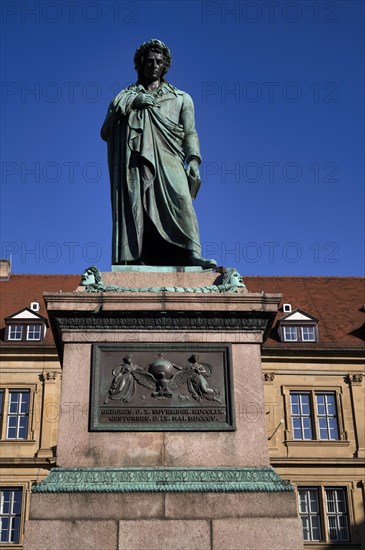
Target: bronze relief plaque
(161, 387)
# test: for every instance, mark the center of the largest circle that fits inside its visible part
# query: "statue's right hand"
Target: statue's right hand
(142, 101)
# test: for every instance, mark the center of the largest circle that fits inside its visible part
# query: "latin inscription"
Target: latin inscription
(163, 415)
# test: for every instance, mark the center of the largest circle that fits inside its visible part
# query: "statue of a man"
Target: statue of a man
(153, 148)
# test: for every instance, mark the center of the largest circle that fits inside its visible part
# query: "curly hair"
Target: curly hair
(95, 271)
(156, 46)
(226, 279)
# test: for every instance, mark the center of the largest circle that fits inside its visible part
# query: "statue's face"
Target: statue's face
(236, 279)
(153, 66)
(88, 278)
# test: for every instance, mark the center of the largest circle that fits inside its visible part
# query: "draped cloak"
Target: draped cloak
(147, 150)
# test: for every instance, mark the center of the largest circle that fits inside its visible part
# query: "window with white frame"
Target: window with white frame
(308, 500)
(308, 334)
(326, 415)
(34, 332)
(25, 332)
(17, 414)
(301, 415)
(15, 332)
(10, 515)
(290, 334)
(337, 520)
(298, 333)
(314, 415)
(323, 512)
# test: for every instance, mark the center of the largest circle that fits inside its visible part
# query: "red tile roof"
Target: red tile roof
(337, 303)
(20, 290)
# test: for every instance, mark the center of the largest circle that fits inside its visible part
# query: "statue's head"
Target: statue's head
(152, 46)
(91, 276)
(128, 359)
(232, 277)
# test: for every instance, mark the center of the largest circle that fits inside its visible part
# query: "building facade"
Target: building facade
(30, 383)
(313, 377)
(313, 374)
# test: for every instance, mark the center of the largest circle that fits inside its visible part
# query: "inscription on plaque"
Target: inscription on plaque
(161, 387)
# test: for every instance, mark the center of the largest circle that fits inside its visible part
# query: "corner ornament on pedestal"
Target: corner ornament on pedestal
(231, 283)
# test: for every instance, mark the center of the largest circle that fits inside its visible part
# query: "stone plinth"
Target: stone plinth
(213, 488)
(195, 521)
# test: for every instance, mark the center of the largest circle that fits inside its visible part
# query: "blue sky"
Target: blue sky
(278, 89)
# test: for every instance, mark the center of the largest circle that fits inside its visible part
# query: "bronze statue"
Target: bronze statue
(153, 155)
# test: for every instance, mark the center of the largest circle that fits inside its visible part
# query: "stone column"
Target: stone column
(358, 406)
(49, 414)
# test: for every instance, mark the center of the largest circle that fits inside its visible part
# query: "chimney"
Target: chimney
(4, 270)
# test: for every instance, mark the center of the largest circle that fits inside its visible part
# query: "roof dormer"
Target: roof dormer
(298, 326)
(25, 325)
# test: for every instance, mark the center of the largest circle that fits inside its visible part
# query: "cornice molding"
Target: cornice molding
(161, 480)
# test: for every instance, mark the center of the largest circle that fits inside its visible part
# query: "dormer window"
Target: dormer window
(25, 326)
(308, 333)
(15, 332)
(34, 332)
(298, 326)
(290, 334)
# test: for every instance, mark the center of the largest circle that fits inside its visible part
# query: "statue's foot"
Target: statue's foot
(196, 259)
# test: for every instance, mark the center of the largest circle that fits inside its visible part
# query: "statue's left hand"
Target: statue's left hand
(193, 168)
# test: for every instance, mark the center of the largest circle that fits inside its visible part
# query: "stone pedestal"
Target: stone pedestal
(162, 489)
